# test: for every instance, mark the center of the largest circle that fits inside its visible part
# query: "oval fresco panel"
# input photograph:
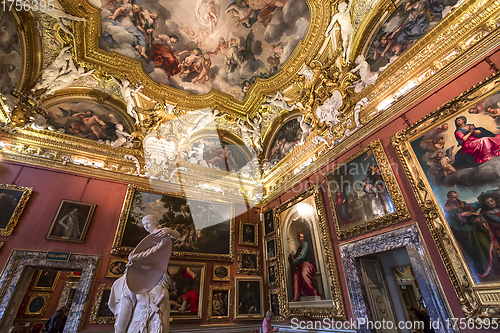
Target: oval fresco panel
(406, 25)
(199, 45)
(10, 54)
(284, 141)
(86, 119)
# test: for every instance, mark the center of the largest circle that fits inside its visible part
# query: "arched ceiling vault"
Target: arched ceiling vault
(322, 87)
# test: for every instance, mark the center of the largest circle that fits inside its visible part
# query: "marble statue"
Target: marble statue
(279, 101)
(139, 299)
(306, 130)
(61, 64)
(128, 94)
(257, 138)
(245, 135)
(367, 77)
(343, 17)
(328, 112)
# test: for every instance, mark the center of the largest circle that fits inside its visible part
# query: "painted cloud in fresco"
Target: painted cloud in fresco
(199, 45)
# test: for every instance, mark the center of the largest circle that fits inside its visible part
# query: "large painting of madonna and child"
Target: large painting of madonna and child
(456, 151)
(206, 227)
(199, 45)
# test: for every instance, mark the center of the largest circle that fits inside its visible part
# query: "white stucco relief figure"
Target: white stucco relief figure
(60, 65)
(124, 139)
(343, 17)
(278, 100)
(139, 299)
(246, 133)
(257, 138)
(196, 155)
(367, 77)
(357, 109)
(328, 112)
(306, 130)
(207, 116)
(128, 94)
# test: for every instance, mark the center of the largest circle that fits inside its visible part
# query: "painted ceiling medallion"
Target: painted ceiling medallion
(200, 45)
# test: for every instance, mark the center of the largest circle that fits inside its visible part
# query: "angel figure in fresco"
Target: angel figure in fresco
(445, 161)
(256, 10)
(164, 55)
(207, 13)
(477, 142)
(128, 94)
(204, 75)
(469, 231)
(343, 17)
(255, 124)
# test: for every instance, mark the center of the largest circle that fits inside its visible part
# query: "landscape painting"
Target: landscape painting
(85, 119)
(206, 228)
(199, 45)
(459, 157)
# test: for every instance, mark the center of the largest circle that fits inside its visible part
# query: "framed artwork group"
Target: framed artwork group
(451, 159)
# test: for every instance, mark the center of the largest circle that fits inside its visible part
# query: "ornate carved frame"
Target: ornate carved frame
(211, 290)
(237, 279)
(400, 209)
(239, 262)
(408, 237)
(256, 233)
(94, 319)
(9, 229)
(21, 260)
(476, 300)
(337, 308)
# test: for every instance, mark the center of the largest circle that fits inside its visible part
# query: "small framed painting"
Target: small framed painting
(268, 222)
(221, 273)
(101, 314)
(219, 302)
(37, 304)
(46, 280)
(71, 222)
(249, 297)
(270, 249)
(116, 267)
(248, 262)
(249, 232)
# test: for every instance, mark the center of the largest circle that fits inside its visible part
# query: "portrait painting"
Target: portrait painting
(249, 233)
(306, 259)
(268, 222)
(46, 280)
(409, 22)
(451, 159)
(101, 314)
(116, 267)
(10, 53)
(219, 154)
(364, 193)
(287, 137)
(13, 199)
(272, 274)
(270, 249)
(71, 221)
(86, 119)
(187, 280)
(274, 304)
(221, 273)
(206, 227)
(202, 45)
(219, 302)
(249, 295)
(37, 304)
(248, 262)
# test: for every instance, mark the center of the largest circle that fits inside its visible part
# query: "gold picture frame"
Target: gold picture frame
(116, 267)
(191, 284)
(270, 248)
(63, 227)
(249, 233)
(217, 308)
(352, 215)
(275, 302)
(246, 291)
(268, 221)
(129, 234)
(101, 314)
(305, 214)
(37, 304)
(46, 280)
(476, 286)
(221, 273)
(12, 203)
(272, 274)
(248, 262)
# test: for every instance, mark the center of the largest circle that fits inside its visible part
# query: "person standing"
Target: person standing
(266, 325)
(71, 224)
(56, 323)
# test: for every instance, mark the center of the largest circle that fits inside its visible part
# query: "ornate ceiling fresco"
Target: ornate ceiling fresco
(241, 98)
